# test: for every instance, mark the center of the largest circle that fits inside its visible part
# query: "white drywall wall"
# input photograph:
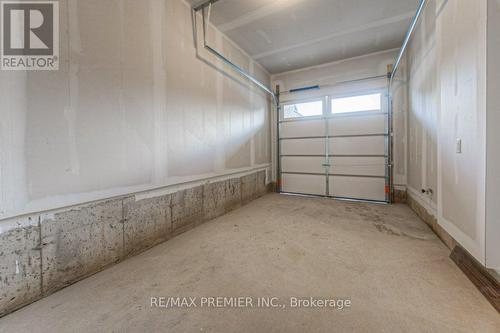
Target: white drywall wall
(399, 122)
(132, 108)
(332, 73)
(493, 139)
(461, 29)
(447, 98)
(423, 99)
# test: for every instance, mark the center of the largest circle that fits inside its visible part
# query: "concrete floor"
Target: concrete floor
(383, 258)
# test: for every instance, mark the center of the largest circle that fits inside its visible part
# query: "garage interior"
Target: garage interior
(270, 151)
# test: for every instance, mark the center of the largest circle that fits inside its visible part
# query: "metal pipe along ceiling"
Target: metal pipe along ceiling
(238, 69)
(204, 4)
(216, 53)
(399, 58)
(301, 89)
(392, 76)
(409, 34)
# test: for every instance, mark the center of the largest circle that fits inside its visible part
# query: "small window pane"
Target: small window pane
(303, 110)
(356, 103)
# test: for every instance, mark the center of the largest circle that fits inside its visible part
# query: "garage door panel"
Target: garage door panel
(303, 147)
(304, 184)
(359, 166)
(303, 164)
(355, 125)
(373, 145)
(358, 188)
(351, 138)
(303, 128)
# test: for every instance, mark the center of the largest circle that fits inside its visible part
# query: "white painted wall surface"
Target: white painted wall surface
(493, 139)
(447, 98)
(400, 126)
(132, 108)
(339, 71)
(461, 30)
(423, 100)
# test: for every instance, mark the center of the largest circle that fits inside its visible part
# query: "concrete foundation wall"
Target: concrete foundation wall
(40, 254)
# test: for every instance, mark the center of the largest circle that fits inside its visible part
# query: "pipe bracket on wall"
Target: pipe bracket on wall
(204, 5)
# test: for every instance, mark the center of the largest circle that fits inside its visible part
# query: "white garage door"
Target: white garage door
(336, 147)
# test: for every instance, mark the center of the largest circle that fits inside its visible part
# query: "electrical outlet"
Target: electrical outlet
(459, 146)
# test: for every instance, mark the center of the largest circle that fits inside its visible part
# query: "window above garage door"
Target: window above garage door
(302, 110)
(359, 103)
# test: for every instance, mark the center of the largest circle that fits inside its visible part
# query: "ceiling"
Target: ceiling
(284, 35)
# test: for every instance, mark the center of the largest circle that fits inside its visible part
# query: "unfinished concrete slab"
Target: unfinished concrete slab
(391, 266)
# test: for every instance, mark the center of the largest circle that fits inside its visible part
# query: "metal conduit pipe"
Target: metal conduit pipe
(204, 4)
(216, 53)
(323, 86)
(392, 76)
(242, 72)
(409, 34)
